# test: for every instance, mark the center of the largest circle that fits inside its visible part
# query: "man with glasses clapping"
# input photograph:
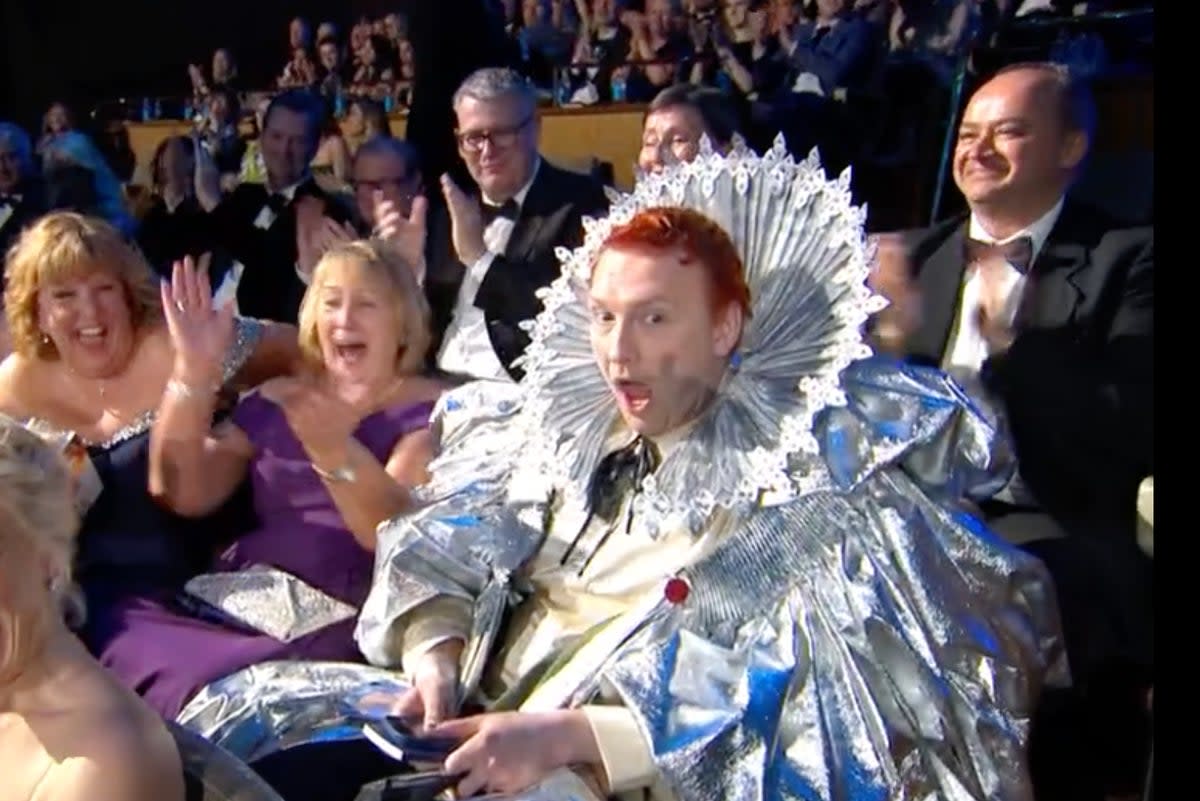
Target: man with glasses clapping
(492, 252)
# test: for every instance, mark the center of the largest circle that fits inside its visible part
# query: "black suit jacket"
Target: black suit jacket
(550, 218)
(1078, 381)
(165, 236)
(269, 287)
(842, 57)
(1078, 387)
(25, 213)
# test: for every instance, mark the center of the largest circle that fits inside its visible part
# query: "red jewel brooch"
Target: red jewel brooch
(676, 591)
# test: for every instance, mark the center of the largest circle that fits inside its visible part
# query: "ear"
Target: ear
(727, 330)
(1074, 148)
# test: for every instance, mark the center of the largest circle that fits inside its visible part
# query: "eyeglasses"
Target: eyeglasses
(383, 184)
(500, 138)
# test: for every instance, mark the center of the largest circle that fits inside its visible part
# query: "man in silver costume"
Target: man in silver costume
(710, 547)
(741, 566)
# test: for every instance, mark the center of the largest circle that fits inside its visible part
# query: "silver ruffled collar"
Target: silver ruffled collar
(806, 261)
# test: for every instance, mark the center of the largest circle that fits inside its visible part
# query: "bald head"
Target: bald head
(1022, 138)
(1065, 95)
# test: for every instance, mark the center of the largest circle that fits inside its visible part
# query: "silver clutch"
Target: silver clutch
(270, 601)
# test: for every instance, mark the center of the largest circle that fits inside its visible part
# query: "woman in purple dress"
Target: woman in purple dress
(329, 454)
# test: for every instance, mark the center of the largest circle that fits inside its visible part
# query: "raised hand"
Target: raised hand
(992, 314)
(316, 234)
(466, 222)
(200, 333)
(891, 277)
(406, 234)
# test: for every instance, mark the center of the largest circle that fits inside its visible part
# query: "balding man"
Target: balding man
(1051, 305)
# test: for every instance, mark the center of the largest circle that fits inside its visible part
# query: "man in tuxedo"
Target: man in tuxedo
(256, 223)
(491, 254)
(1051, 306)
(21, 198)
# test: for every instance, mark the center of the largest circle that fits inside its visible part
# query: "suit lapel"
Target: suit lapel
(941, 287)
(532, 217)
(1055, 290)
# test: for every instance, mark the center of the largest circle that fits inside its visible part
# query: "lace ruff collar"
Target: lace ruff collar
(806, 258)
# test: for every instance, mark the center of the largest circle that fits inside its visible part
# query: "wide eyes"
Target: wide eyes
(603, 316)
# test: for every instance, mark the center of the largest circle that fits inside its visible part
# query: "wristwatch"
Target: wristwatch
(342, 475)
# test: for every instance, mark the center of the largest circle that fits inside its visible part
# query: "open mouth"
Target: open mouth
(350, 352)
(633, 395)
(91, 337)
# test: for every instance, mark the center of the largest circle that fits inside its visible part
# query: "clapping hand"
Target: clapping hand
(316, 234)
(992, 314)
(200, 334)
(892, 277)
(321, 421)
(405, 233)
(466, 222)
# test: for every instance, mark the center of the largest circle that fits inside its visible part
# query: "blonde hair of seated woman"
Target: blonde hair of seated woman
(68, 731)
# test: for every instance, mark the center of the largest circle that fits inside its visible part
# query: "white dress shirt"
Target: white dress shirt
(467, 349)
(227, 291)
(969, 349)
(624, 573)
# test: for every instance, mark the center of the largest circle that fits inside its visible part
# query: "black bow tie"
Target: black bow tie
(618, 474)
(277, 203)
(10, 200)
(1018, 253)
(507, 210)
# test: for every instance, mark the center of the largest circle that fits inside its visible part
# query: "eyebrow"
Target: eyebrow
(657, 300)
(1001, 121)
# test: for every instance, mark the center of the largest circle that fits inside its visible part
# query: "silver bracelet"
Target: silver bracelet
(342, 475)
(186, 392)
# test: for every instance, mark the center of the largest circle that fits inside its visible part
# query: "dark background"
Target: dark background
(82, 52)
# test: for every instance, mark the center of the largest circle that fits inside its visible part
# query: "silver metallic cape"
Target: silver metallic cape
(857, 635)
(860, 641)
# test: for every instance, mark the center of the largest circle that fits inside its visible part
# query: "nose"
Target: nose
(655, 157)
(488, 149)
(980, 147)
(86, 305)
(621, 343)
(342, 315)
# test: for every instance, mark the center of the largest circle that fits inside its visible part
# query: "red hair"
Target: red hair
(695, 238)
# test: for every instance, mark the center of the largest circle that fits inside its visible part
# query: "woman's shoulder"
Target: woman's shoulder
(261, 403)
(25, 384)
(423, 392)
(112, 746)
(413, 407)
